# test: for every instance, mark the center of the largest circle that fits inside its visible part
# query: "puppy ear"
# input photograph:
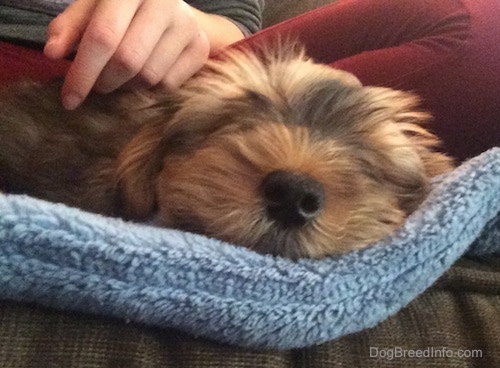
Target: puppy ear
(402, 150)
(413, 122)
(139, 164)
(427, 146)
(169, 130)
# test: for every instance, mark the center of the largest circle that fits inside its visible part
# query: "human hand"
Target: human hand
(134, 43)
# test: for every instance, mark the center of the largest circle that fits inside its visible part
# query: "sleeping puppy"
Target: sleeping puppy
(264, 149)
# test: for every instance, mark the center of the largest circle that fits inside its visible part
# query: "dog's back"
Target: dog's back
(65, 156)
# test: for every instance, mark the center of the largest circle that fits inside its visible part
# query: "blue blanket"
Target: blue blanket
(65, 258)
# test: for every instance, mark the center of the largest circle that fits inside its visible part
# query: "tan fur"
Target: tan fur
(197, 159)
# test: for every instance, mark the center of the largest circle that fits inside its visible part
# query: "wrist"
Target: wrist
(220, 31)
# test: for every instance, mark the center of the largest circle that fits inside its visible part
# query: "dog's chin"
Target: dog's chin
(295, 243)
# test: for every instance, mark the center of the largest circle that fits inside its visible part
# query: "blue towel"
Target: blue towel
(68, 259)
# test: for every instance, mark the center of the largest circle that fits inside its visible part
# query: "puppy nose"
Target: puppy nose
(292, 198)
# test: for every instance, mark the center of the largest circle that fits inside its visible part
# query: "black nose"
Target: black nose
(292, 198)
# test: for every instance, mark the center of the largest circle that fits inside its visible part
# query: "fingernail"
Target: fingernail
(71, 101)
(49, 49)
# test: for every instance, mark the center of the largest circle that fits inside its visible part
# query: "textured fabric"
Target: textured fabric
(245, 13)
(62, 257)
(52, 7)
(277, 11)
(461, 311)
(23, 27)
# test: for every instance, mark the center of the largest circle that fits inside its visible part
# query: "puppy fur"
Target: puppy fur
(264, 149)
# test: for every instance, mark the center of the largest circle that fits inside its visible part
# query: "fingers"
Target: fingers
(187, 64)
(105, 31)
(147, 57)
(66, 30)
(133, 42)
(181, 51)
(140, 40)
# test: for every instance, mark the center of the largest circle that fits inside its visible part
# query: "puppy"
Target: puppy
(264, 149)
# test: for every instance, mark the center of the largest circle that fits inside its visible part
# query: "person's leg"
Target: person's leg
(446, 51)
(17, 63)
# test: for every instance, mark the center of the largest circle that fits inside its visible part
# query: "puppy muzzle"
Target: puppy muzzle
(292, 199)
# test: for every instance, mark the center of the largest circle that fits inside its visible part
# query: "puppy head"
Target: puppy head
(282, 155)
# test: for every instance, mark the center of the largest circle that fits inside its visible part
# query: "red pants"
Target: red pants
(447, 51)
